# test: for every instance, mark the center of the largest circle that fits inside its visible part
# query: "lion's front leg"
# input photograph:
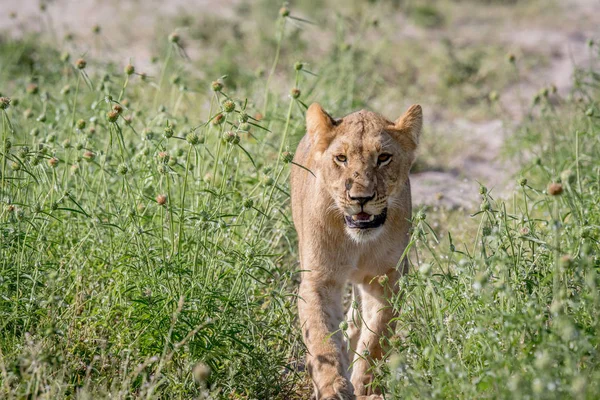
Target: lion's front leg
(320, 309)
(376, 314)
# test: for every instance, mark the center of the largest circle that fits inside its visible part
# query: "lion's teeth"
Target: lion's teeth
(354, 217)
(371, 218)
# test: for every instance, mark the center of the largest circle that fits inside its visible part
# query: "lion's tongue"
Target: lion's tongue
(361, 216)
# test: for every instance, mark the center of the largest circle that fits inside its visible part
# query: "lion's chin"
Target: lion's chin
(363, 227)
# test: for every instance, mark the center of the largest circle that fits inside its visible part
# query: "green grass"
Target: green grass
(140, 253)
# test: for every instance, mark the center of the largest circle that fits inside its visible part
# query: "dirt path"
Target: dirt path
(480, 160)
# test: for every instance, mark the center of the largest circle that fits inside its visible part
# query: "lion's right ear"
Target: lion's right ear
(319, 126)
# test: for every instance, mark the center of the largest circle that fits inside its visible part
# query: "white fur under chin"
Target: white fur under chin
(364, 235)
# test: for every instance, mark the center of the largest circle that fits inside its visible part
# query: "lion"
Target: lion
(351, 207)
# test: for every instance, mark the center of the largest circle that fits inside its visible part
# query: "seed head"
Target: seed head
(523, 181)
(74, 169)
(421, 216)
(112, 116)
(28, 113)
(128, 119)
(295, 93)
(164, 156)
(96, 29)
(32, 88)
(122, 169)
(298, 66)
(231, 137)
(268, 181)
(81, 63)
(244, 126)
(192, 138)
(92, 130)
(118, 108)
(80, 124)
(511, 58)
(555, 189)
(168, 132)
(482, 190)
(15, 166)
(161, 199)
(89, 155)
(216, 86)
(129, 69)
(228, 106)
(53, 162)
(174, 37)
(4, 103)
(494, 96)
(287, 157)
(344, 326)
(148, 134)
(248, 203)
(284, 12)
(485, 206)
(23, 151)
(162, 169)
(218, 119)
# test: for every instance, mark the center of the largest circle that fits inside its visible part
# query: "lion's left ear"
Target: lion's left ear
(411, 123)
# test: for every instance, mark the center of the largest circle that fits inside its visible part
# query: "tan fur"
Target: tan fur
(331, 253)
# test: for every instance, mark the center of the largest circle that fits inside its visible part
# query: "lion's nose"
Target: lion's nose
(362, 200)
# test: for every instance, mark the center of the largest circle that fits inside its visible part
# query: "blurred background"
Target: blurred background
(476, 66)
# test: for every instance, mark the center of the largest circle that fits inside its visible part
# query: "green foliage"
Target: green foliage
(513, 313)
(145, 236)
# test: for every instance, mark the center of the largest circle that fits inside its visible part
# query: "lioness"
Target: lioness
(352, 213)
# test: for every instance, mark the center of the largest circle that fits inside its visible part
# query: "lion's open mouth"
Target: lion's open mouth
(363, 220)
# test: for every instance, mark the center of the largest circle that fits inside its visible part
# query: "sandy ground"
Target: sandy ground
(129, 26)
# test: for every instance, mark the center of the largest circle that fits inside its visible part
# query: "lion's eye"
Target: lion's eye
(341, 158)
(384, 159)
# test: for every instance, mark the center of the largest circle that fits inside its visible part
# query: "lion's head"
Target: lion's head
(363, 160)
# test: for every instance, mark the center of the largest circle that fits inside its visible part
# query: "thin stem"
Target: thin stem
(181, 215)
(162, 76)
(275, 62)
(75, 101)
